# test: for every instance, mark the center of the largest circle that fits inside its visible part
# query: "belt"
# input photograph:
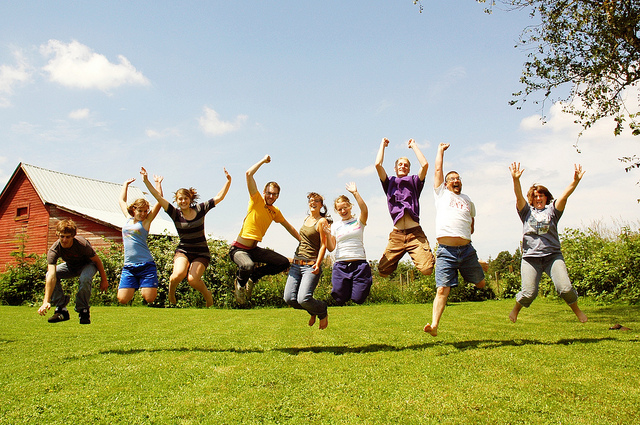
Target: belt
(303, 262)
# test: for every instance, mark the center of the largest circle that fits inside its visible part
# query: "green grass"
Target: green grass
(373, 364)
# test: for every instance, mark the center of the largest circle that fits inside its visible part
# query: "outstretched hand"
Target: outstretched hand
(266, 159)
(578, 173)
(515, 170)
(385, 142)
(143, 173)
(411, 143)
(443, 146)
(351, 187)
(226, 173)
(157, 179)
(129, 181)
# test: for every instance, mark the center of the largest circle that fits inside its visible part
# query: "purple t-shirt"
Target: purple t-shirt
(403, 196)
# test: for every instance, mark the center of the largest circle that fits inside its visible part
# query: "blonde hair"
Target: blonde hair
(138, 204)
(190, 193)
(67, 227)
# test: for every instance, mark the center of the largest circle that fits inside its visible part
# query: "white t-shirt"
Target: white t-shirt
(454, 213)
(349, 240)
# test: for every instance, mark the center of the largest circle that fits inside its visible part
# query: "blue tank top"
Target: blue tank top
(134, 239)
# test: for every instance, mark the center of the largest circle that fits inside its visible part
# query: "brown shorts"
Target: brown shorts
(413, 241)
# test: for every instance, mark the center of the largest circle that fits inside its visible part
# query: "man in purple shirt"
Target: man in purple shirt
(403, 198)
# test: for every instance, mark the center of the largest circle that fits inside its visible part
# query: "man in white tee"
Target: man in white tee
(455, 215)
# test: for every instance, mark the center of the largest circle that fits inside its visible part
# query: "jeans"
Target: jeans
(246, 259)
(531, 271)
(298, 292)
(453, 259)
(83, 296)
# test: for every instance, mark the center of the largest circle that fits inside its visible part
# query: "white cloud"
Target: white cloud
(357, 172)
(79, 114)
(76, 65)
(161, 134)
(606, 194)
(10, 76)
(211, 124)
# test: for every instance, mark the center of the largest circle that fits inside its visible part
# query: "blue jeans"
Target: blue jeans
(83, 296)
(453, 259)
(531, 271)
(298, 292)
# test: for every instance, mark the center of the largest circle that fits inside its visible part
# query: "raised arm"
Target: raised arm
(424, 164)
(156, 208)
(223, 192)
(561, 202)
(123, 197)
(364, 211)
(156, 194)
(438, 178)
(251, 182)
(380, 159)
(516, 172)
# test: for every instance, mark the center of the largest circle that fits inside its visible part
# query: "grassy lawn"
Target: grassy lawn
(373, 364)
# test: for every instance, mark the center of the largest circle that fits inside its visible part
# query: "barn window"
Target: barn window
(22, 213)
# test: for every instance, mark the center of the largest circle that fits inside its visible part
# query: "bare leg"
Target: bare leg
(125, 295)
(324, 323)
(439, 304)
(149, 294)
(513, 316)
(180, 269)
(195, 280)
(581, 316)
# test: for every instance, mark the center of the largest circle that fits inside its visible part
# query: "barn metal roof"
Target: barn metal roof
(88, 197)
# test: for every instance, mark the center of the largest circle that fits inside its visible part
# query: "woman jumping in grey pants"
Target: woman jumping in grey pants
(540, 214)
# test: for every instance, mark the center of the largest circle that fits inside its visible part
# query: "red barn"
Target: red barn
(35, 199)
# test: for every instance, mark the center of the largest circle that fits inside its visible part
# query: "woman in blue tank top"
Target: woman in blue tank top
(139, 270)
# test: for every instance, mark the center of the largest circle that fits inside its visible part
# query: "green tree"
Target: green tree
(590, 47)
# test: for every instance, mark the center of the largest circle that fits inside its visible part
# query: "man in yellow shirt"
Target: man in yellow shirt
(245, 251)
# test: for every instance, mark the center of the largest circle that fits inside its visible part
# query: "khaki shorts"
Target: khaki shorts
(413, 241)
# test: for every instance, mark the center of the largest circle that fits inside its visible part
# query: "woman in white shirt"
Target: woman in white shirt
(351, 274)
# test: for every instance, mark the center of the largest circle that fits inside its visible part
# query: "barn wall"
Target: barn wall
(23, 219)
(88, 229)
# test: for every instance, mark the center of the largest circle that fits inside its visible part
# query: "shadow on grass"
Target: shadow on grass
(459, 345)
(370, 348)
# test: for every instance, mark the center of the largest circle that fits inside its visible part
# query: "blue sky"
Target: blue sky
(98, 89)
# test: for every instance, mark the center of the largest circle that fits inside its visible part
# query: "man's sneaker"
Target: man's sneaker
(240, 294)
(85, 318)
(59, 316)
(249, 288)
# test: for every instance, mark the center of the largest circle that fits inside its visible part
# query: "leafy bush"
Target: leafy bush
(603, 266)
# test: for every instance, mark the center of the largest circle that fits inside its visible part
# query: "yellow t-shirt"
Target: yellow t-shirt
(259, 218)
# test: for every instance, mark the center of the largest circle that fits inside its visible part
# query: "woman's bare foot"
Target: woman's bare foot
(312, 320)
(581, 316)
(431, 330)
(324, 323)
(513, 316)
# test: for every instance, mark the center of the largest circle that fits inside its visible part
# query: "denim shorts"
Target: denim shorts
(453, 259)
(136, 276)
